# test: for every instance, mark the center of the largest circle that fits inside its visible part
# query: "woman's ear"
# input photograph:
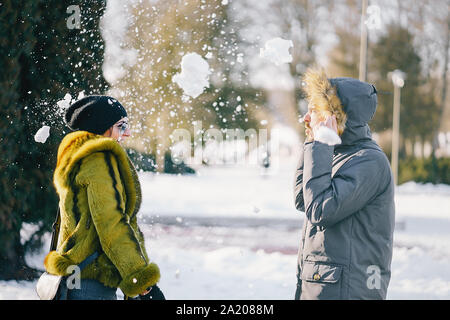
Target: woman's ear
(107, 133)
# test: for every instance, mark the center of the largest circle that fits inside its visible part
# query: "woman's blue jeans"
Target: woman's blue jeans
(89, 290)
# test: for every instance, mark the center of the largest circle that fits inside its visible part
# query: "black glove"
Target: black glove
(154, 294)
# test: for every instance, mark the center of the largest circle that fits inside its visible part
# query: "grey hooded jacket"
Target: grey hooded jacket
(347, 195)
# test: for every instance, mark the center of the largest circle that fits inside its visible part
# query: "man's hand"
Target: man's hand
(313, 124)
(330, 122)
(326, 132)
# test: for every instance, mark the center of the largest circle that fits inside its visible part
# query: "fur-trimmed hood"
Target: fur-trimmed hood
(346, 193)
(353, 102)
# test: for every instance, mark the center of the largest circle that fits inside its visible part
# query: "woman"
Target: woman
(99, 195)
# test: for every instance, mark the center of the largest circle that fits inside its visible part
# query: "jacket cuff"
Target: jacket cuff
(141, 280)
(57, 264)
(318, 160)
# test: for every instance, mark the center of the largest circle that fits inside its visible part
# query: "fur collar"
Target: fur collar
(323, 95)
(79, 144)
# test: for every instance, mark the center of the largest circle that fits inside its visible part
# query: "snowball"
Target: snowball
(80, 94)
(193, 78)
(240, 58)
(326, 135)
(42, 134)
(65, 103)
(185, 98)
(277, 51)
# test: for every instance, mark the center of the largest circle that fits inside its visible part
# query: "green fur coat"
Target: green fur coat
(100, 194)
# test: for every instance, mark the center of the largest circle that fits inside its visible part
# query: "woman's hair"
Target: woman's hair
(94, 113)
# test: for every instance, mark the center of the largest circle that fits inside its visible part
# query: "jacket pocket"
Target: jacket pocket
(321, 280)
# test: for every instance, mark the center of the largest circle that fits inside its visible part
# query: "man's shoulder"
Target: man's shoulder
(368, 157)
(375, 154)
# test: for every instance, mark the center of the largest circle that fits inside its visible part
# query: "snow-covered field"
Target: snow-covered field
(233, 233)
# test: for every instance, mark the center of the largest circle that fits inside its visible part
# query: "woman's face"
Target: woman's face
(120, 130)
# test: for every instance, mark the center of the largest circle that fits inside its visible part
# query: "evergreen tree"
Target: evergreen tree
(43, 57)
(418, 111)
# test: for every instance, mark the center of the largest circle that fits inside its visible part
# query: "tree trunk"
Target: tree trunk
(444, 87)
(12, 260)
(435, 141)
(162, 142)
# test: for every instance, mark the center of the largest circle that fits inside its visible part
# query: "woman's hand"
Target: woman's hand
(146, 292)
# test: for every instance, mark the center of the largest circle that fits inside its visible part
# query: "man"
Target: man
(345, 188)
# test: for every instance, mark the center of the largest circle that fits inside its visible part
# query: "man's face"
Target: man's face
(312, 119)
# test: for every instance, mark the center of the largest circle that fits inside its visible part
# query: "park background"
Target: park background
(223, 229)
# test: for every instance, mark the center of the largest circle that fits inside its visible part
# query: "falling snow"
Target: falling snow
(277, 51)
(42, 134)
(193, 78)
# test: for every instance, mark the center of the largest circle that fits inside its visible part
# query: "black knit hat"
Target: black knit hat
(95, 114)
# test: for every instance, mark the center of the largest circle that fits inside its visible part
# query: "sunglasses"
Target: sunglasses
(123, 126)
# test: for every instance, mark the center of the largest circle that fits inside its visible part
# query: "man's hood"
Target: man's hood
(352, 101)
(359, 101)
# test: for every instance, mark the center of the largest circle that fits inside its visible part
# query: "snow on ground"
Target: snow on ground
(232, 233)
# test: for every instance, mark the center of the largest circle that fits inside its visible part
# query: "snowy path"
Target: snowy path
(230, 233)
